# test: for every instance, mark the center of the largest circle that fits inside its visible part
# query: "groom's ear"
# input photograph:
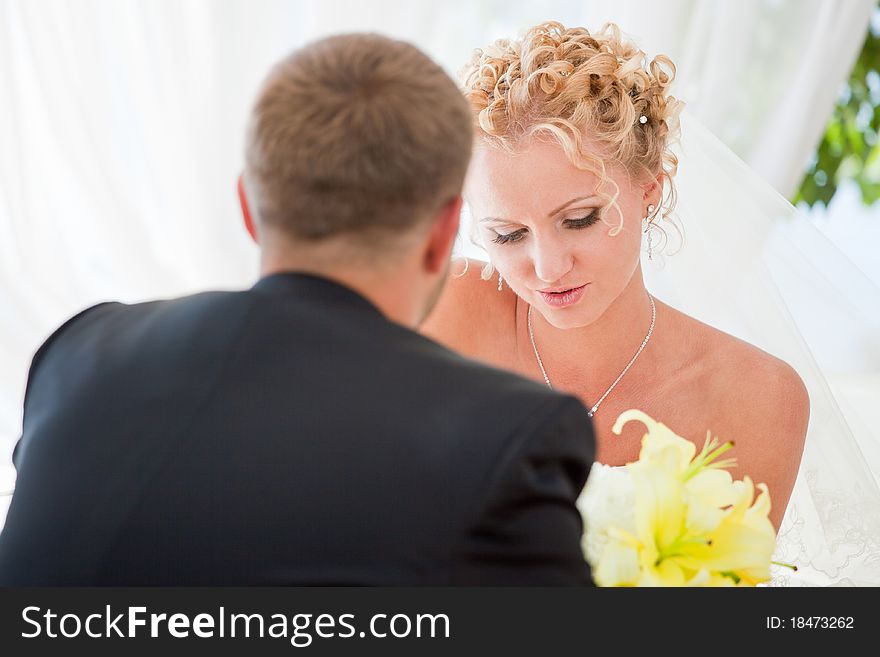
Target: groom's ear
(246, 210)
(442, 236)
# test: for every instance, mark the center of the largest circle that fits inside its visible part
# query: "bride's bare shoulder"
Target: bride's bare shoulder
(759, 401)
(470, 309)
(742, 372)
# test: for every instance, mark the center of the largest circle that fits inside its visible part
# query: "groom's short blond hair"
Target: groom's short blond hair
(356, 135)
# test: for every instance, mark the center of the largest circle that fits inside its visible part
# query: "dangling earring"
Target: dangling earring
(649, 231)
(499, 282)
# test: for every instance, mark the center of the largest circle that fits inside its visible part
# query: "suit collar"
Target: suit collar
(313, 287)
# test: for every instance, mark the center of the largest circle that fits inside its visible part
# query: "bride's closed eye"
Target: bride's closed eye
(507, 238)
(583, 222)
(517, 235)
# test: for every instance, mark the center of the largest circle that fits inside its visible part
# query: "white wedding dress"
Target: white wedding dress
(749, 265)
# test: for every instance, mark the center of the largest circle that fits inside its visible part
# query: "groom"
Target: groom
(300, 432)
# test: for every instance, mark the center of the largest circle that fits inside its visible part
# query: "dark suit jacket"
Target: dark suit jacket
(288, 434)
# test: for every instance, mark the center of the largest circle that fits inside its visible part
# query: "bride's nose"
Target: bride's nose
(551, 262)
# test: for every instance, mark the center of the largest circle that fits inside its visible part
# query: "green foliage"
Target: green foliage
(850, 148)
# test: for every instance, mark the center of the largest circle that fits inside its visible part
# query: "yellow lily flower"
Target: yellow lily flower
(690, 524)
(708, 493)
(657, 438)
(743, 543)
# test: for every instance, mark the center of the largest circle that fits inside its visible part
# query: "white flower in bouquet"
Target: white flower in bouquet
(607, 501)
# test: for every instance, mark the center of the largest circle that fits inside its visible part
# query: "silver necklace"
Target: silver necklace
(592, 411)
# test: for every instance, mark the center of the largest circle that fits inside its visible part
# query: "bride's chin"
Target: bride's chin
(568, 318)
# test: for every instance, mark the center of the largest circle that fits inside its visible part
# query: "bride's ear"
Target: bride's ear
(246, 210)
(653, 191)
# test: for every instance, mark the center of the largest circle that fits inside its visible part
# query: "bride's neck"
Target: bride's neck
(594, 355)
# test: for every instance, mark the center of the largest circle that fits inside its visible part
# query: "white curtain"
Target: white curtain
(122, 125)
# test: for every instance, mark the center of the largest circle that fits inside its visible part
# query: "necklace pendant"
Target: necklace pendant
(593, 410)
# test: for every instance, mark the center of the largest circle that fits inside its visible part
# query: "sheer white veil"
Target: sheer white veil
(748, 264)
(741, 258)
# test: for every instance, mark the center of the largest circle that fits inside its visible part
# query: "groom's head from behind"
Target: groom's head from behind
(356, 154)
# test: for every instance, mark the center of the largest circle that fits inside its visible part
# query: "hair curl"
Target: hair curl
(589, 91)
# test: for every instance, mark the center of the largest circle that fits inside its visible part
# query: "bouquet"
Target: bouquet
(675, 517)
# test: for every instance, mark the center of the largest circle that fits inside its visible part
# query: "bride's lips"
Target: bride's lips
(563, 298)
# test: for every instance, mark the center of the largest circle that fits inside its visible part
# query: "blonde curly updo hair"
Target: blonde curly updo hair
(589, 91)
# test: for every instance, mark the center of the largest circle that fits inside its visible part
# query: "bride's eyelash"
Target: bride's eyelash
(583, 222)
(517, 235)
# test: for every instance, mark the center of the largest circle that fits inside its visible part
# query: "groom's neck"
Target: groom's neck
(390, 290)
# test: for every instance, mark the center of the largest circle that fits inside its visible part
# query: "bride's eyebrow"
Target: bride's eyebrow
(556, 211)
(572, 201)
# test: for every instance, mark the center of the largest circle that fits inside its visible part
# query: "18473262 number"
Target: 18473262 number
(811, 622)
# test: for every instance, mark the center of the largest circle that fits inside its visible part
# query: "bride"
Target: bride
(572, 171)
